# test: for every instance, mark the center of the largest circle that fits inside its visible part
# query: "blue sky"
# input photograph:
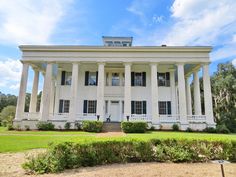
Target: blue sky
(83, 22)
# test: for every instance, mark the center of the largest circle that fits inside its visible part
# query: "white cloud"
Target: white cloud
(29, 21)
(234, 62)
(10, 73)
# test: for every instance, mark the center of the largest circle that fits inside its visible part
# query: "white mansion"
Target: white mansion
(116, 82)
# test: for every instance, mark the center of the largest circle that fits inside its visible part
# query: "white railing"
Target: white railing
(86, 116)
(139, 117)
(32, 115)
(59, 116)
(169, 118)
(196, 118)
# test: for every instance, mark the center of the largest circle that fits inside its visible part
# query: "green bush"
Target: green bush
(189, 129)
(134, 127)
(45, 126)
(69, 155)
(77, 126)
(67, 126)
(222, 129)
(10, 127)
(27, 128)
(175, 127)
(92, 126)
(210, 130)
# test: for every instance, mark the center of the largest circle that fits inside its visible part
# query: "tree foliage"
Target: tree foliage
(7, 115)
(6, 100)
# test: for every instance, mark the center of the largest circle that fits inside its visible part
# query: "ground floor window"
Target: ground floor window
(138, 107)
(64, 106)
(90, 106)
(164, 107)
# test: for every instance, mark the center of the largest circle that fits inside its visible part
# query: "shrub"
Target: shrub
(189, 129)
(92, 126)
(175, 127)
(17, 127)
(10, 127)
(77, 126)
(45, 126)
(67, 126)
(210, 130)
(222, 129)
(68, 155)
(134, 127)
(27, 128)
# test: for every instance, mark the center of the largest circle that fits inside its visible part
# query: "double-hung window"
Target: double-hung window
(164, 107)
(66, 78)
(115, 79)
(163, 79)
(91, 78)
(138, 78)
(138, 107)
(90, 106)
(64, 106)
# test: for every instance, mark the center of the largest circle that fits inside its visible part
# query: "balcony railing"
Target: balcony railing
(140, 117)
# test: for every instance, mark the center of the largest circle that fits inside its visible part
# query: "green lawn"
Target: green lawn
(14, 141)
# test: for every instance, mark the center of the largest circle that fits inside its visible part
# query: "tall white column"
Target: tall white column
(52, 96)
(127, 91)
(57, 94)
(173, 92)
(197, 96)
(100, 91)
(34, 94)
(74, 92)
(182, 97)
(188, 96)
(154, 94)
(208, 96)
(22, 92)
(46, 93)
(41, 99)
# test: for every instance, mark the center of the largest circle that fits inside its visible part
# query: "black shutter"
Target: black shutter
(159, 110)
(167, 79)
(95, 106)
(157, 78)
(97, 78)
(144, 107)
(169, 107)
(60, 106)
(86, 77)
(63, 77)
(132, 107)
(132, 78)
(144, 79)
(85, 106)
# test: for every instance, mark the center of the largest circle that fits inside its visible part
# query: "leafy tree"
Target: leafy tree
(6, 100)
(223, 84)
(7, 115)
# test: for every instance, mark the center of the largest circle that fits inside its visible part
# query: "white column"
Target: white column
(188, 96)
(34, 94)
(182, 97)
(41, 102)
(52, 96)
(208, 96)
(74, 92)
(22, 92)
(127, 91)
(46, 93)
(100, 91)
(154, 94)
(173, 92)
(58, 86)
(197, 96)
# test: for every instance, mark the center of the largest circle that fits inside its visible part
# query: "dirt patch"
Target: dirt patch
(10, 166)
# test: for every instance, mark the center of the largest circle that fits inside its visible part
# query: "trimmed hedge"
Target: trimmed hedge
(134, 127)
(45, 126)
(70, 155)
(92, 126)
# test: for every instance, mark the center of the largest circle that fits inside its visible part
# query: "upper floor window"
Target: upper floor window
(64, 106)
(164, 107)
(91, 78)
(66, 78)
(163, 79)
(90, 106)
(138, 107)
(138, 78)
(115, 79)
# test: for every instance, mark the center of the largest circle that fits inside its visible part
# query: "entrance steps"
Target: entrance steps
(111, 127)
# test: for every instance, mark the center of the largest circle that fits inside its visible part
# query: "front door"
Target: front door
(115, 111)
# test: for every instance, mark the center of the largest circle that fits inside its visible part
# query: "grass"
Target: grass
(15, 141)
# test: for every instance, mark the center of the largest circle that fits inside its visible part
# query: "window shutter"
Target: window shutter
(60, 106)
(63, 77)
(144, 79)
(159, 107)
(168, 76)
(132, 107)
(86, 77)
(95, 106)
(132, 78)
(97, 78)
(85, 106)
(169, 107)
(157, 78)
(144, 107)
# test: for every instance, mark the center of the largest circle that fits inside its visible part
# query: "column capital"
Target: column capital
(101, 63)
(74, 63)
(180, 64)
(153, 64)
(127, 63)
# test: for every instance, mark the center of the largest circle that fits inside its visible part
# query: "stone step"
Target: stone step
(111, 127)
